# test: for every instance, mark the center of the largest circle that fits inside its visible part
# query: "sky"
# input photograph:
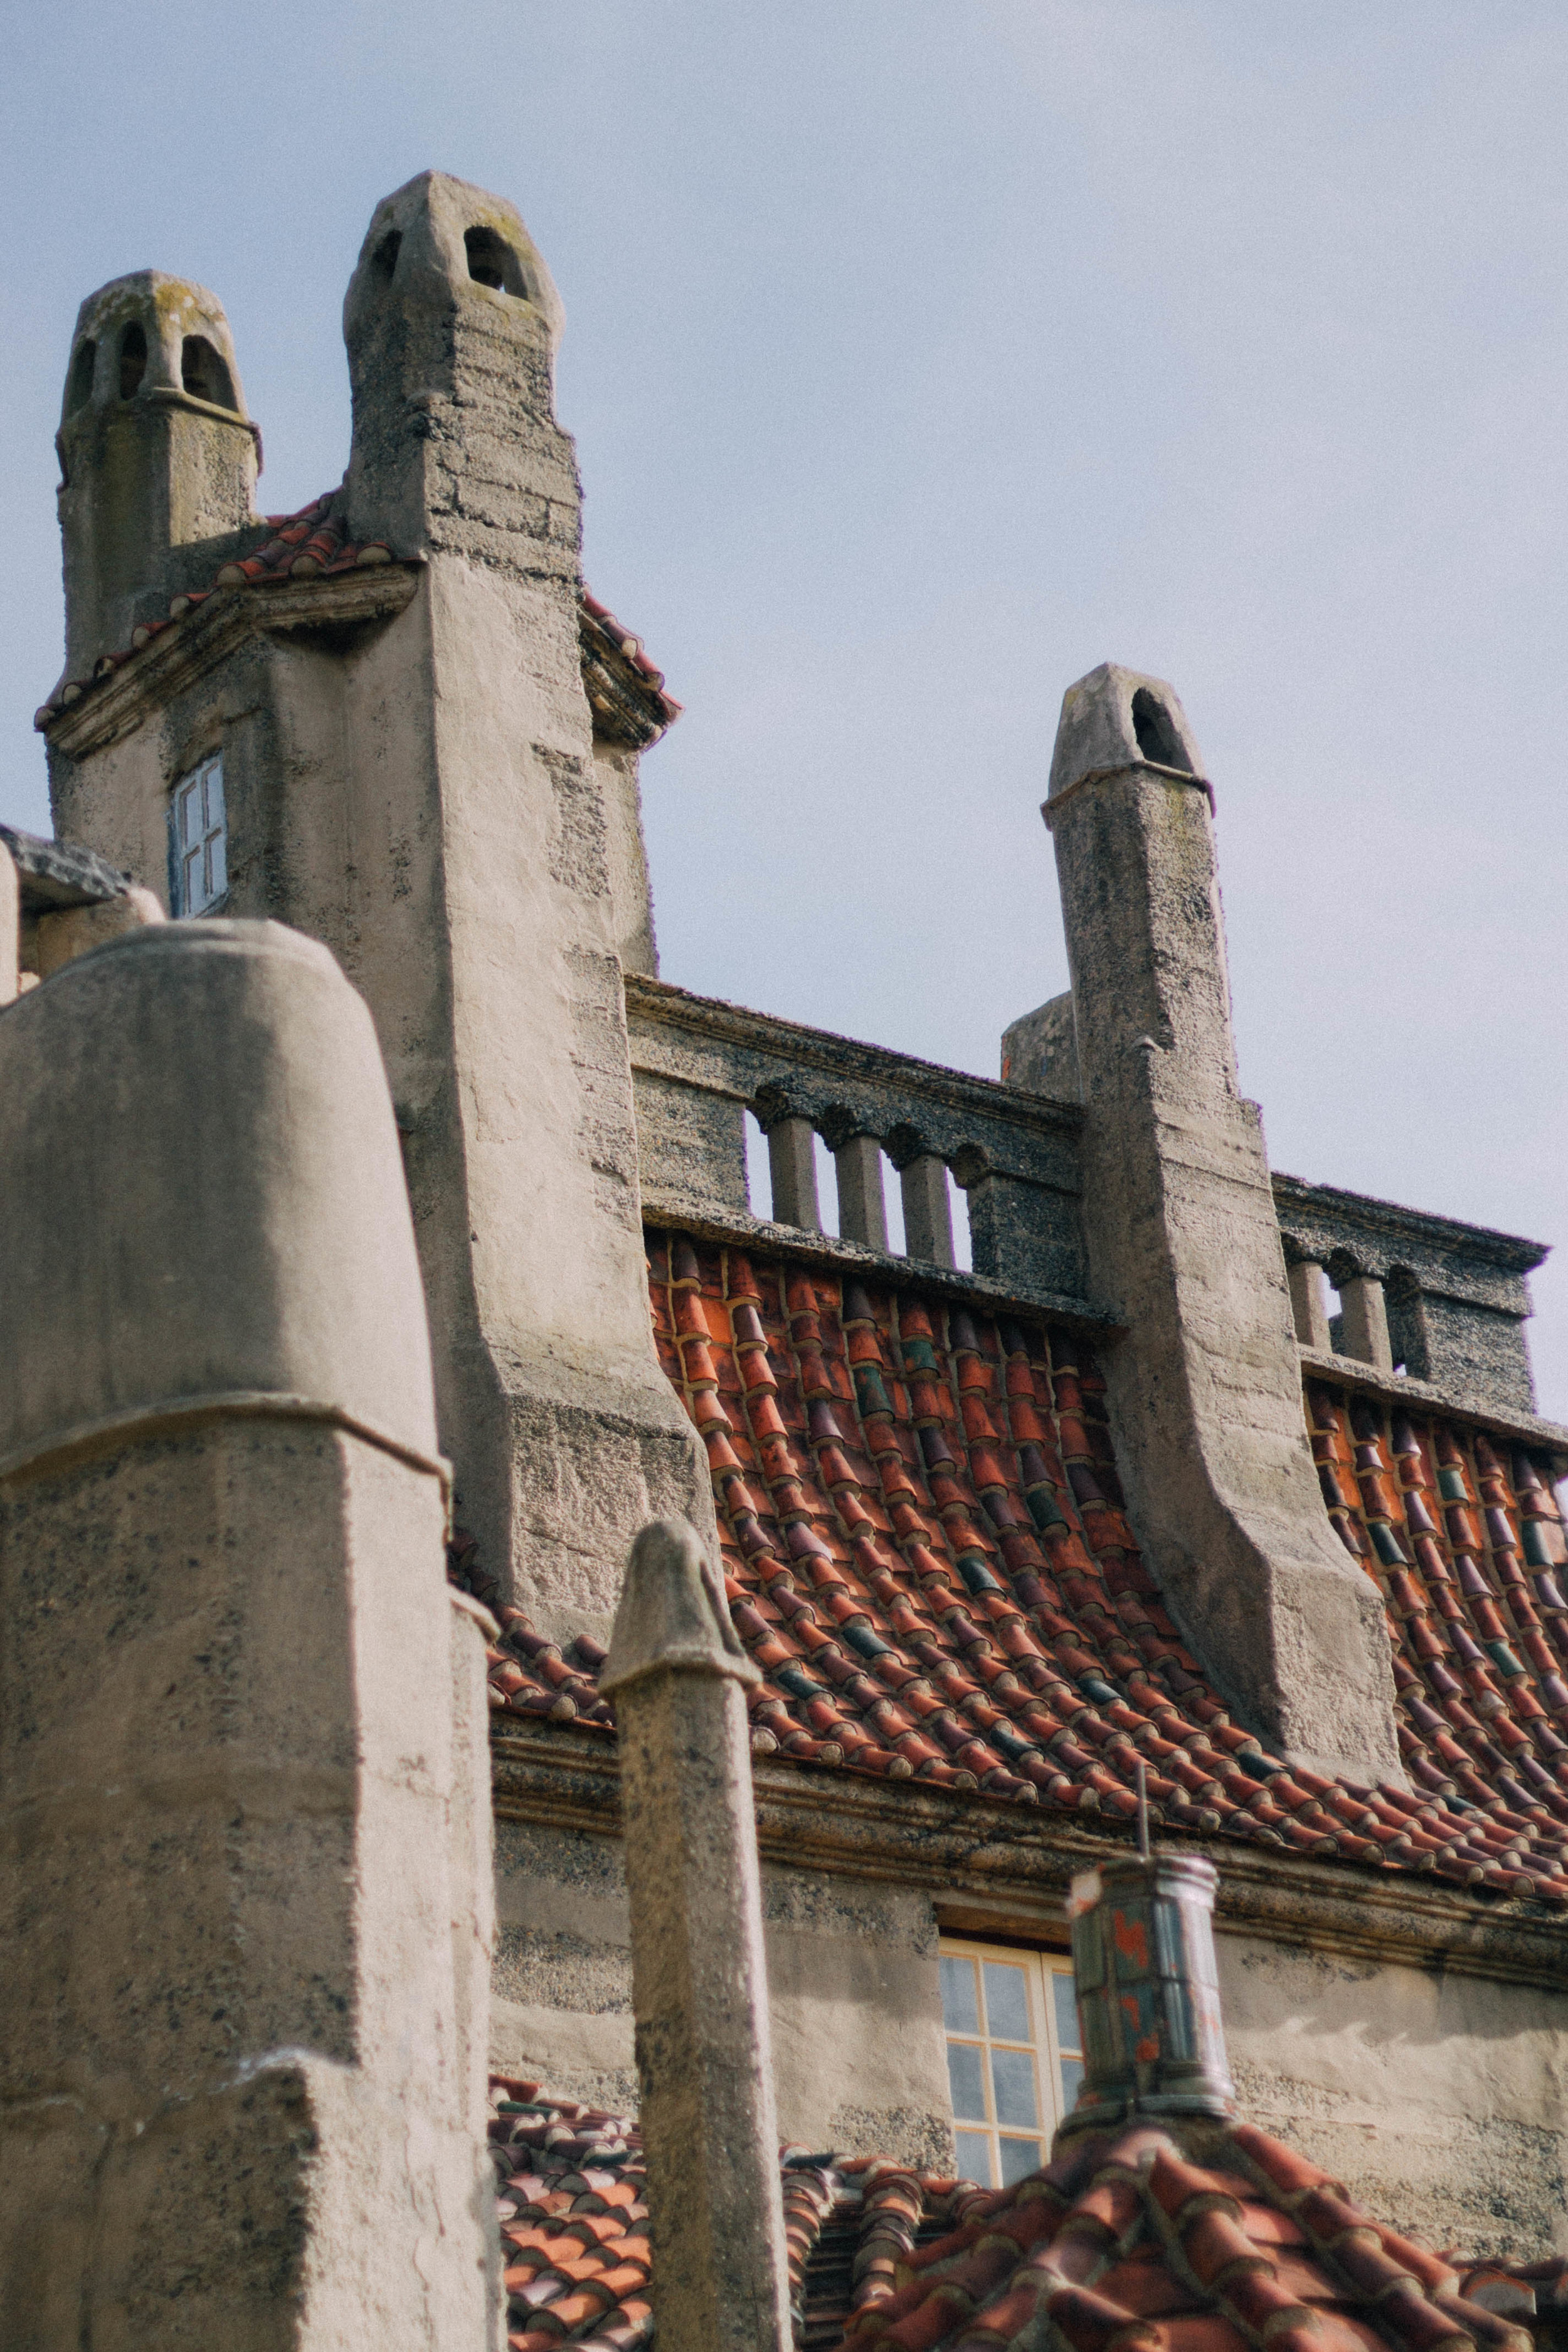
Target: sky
(921, 357)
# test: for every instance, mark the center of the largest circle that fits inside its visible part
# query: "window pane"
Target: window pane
(219, 865)
(960, 2008)
(974, 2158)
(965, 2081)
(1013, 2080)
(1066, 2011)
(190, 814)
(1072, 2075)
(1006, 2003)
(1019, 2159)
(215, 793)
(192, 882)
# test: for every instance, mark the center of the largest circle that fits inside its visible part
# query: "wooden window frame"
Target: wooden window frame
(203, 851)
(1048, 2051)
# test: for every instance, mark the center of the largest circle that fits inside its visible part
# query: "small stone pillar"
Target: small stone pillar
(927, 1210)
(792, 1166)
(10, 927)
(244, 1854)
(1365, 1326)
(1183, 1240)
(1309, 1309)
(862, 1205)
(678, 1673)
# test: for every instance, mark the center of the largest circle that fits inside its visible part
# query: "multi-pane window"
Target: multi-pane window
(201, 839)
(1013, 2057)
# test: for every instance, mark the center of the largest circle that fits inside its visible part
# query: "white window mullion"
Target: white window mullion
(1013, 2055)
(200, 827)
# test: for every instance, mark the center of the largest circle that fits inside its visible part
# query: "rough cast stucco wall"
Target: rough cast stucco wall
(856, 2019)
(1442, 2101)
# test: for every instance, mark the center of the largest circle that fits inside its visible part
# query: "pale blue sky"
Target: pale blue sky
(921, 357)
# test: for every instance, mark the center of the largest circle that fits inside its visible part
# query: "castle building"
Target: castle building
(1129, 1500)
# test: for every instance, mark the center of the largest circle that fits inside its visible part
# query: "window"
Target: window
(200, 839)
(1013, 2057)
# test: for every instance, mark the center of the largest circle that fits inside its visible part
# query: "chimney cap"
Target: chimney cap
(1116, 718)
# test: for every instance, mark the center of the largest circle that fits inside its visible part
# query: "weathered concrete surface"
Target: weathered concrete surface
(420, 790)
(10, 927)
(1440, 2101)
(155, 475)
(237, 2078)
(1039, 1050)
(1182, 1236)
(677, 1673)
(61, 937)
(859, 2060)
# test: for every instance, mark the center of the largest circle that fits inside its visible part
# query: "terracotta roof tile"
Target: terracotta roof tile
(1125, 2242)
(927, 1552)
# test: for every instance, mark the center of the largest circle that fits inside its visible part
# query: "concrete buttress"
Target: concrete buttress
(244, 1835)
(1183, 1238)
(496, 981)
(700, 1993)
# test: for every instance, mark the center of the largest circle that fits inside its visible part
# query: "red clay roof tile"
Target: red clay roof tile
(957, 1609)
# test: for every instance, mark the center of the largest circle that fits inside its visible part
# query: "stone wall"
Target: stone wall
(1440, 2099)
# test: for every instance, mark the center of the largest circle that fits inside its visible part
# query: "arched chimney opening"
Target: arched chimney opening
(82, 375)
(133, 360)
(384, 260)
(492, 262)
(1157, 738)
(204, 372)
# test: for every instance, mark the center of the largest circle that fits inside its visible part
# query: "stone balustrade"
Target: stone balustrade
(1443, 1302)
(699, 1065)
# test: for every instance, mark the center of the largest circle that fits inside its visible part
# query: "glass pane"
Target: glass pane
(965, 2081)
(215, 793)
(1066, 2011)
(960, 2007)
(192, 882)
(1072, 2075)
(191, 813)
(219, 865)
(974, 2158)
(1007, 2003)
(1019, 2159)
(1013, 2080)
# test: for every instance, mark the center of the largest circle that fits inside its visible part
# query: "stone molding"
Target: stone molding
(115, 704)
(967, 1851)
(808, 1248)
(1425, 1396)
(659, 1001)
(116, 1430)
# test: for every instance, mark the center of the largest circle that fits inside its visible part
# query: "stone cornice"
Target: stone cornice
(1013, 1861)
(705, 1222)
(1512, 1253)
(820, 1049)
(1423, 1397)
(146, 680)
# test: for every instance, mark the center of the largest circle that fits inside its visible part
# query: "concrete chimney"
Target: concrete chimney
(243, 1898)
(1182, 1240)
(157, 456)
